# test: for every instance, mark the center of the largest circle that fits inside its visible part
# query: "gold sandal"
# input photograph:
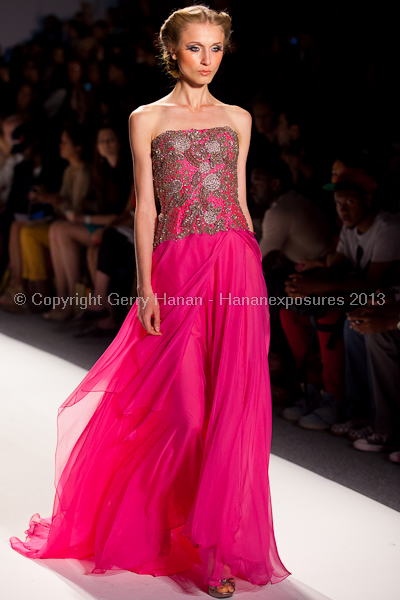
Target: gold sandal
(212, 589)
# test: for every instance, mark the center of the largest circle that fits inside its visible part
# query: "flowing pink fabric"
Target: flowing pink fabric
(163, 449)
(133, 463)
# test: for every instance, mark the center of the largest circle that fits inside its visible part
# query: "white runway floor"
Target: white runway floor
(337, 543)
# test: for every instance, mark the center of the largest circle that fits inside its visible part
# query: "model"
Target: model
(163, 449)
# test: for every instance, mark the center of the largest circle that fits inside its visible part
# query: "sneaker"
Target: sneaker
(303, 405)
(376, 442)
(353, 425)
(395, 456)
(362, 432)
(324, 416)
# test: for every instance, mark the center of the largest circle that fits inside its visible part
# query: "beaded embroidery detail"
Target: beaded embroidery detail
(195, 177)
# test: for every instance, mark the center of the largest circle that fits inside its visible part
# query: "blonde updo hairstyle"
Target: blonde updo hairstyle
(173, 27)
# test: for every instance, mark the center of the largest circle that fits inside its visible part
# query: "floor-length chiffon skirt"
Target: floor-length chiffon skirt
(163, 449)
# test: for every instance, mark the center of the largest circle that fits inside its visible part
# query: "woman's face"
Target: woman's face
(67, 148)
(107, 143)
(24, 97)
(199, 52)
(338, 168)
(75, 71)
(263, 117)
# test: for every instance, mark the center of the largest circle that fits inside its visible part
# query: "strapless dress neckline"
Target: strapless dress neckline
(160, 135)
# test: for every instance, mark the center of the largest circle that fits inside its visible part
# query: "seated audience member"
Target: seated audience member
(11, 158)
(379, 326)
(345, 159)
(75, 187)
(329, 209)
(114, 272)
(293, 226)
(258, 200)
(31, 171)
(263, 147)
(290, 139)
(112, 182)
(367, 257)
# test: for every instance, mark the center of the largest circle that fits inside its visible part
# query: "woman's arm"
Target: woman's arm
(146, 212)
(140, 135)
(243, 127)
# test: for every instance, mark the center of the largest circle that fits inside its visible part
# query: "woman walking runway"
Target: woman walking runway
(163, 449)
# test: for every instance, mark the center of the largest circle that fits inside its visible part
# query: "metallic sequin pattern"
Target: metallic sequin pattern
(195, 177)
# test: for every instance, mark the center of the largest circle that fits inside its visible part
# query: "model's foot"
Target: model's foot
(223, 589)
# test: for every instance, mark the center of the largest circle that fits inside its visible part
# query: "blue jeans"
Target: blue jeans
(358, 382)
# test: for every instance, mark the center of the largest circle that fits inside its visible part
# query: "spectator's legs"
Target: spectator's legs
(57, 260)
(91, 259)
(66, 240)
(116, 254)
(14, 251)
(358, 386)
(327, 411)
(34, 239)
(333, 362)
(299, 333)
(383, 352)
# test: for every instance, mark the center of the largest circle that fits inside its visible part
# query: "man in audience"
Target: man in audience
(258, 200)
(292, 144)
(263, 147)
(13, 158)
(379, 325)
(293, 226)
(366, 258)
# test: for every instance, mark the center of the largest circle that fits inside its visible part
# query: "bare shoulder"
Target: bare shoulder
(143, 121)
(241, 120)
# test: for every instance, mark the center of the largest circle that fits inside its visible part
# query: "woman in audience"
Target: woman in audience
(32, 171)
(75, 187)
(113, 266)
(112, 182)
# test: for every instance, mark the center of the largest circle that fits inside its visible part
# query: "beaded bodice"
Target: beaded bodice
(195, 178)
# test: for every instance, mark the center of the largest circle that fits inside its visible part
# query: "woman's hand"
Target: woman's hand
(149, 313)
(306, 265)
(96, 236)
(73, 217)
(300, 286)
(38, 193)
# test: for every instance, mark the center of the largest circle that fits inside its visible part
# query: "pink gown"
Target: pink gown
(163, 449)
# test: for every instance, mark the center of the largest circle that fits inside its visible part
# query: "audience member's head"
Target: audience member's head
(73, 143)
(270, 181)
(346, 158)
(108, 146)
(289, 131)
(264, 117)
(354, 195)
(100, 30)
(116, 73)
(25, 98)
(338, 168)
(9, 125)
(23, 138)
(74, 71)
(58, 55)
